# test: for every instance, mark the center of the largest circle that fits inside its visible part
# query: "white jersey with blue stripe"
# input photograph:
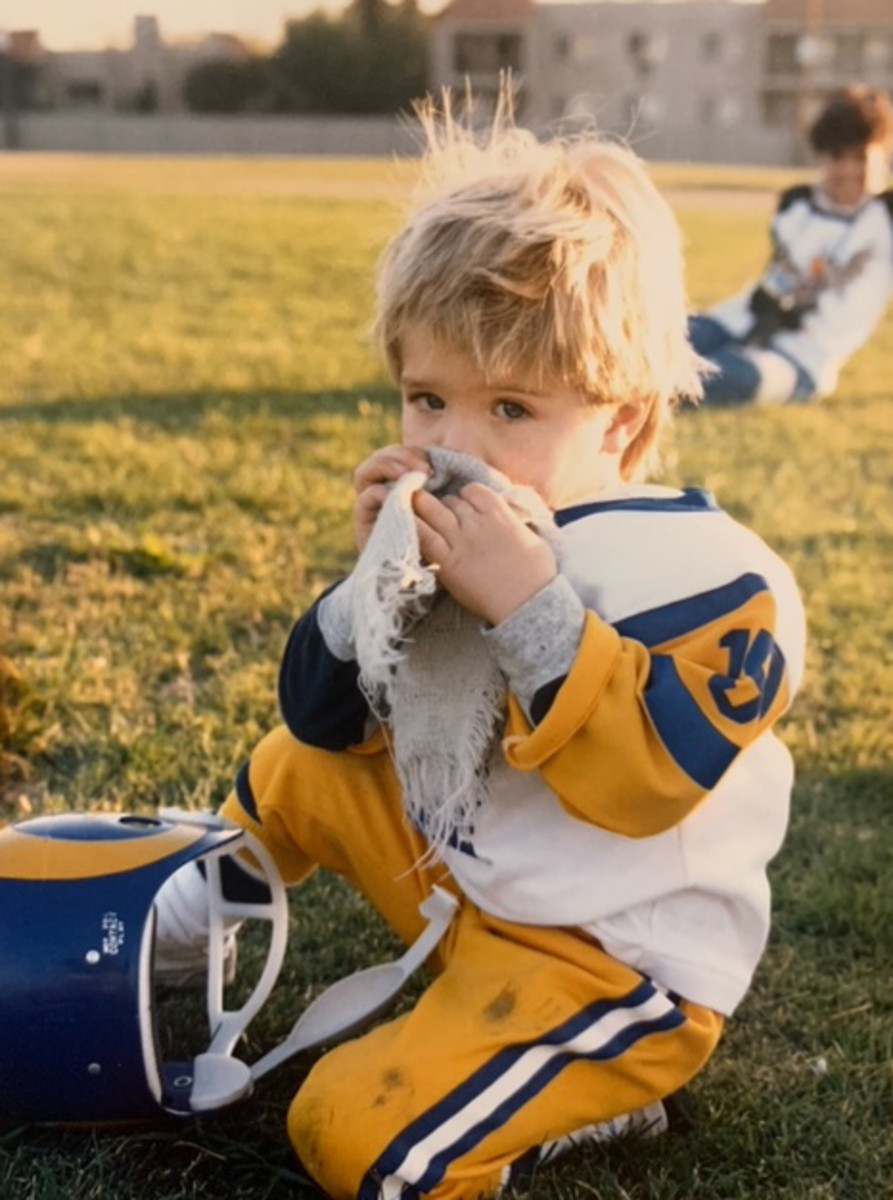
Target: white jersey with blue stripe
(646, 804)
(843, 261)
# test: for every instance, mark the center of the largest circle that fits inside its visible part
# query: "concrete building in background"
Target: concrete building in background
(682, 79)
(147, 77)
(809, 47)
(699, 80)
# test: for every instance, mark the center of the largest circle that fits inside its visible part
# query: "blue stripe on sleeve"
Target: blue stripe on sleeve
(702, 752)
(659, 625)
(544, 698)
(319, 696)
(244, 794)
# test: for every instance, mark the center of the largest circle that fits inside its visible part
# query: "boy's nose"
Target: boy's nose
(461, 437)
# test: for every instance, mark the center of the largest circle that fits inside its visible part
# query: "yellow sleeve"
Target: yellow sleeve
(654, 711)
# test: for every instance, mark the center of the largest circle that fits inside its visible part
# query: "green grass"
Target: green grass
(185, 385)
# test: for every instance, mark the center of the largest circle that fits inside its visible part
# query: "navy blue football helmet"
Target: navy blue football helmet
(80, 1043)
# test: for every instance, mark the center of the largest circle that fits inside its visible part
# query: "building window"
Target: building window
(779, 109)
(781, 54)
(646, 51)
(486, 100)
(487, 52)
(711, 46)
(85, 91)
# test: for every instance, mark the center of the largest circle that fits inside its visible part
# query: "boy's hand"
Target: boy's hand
(371, 479)
(487, 558)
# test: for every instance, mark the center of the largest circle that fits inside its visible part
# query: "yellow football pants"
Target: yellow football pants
(526, 1034)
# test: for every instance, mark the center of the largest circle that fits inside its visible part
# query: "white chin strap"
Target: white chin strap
(218, 1077)
(356, 999)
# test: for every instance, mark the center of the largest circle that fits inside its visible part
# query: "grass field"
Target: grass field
(185, 386)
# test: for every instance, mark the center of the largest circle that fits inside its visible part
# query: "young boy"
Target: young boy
(613, 900)
(829, 277)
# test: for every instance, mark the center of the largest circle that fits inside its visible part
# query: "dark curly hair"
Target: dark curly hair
(852, 116)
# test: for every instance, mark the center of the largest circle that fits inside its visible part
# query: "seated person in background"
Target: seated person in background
(828, 280)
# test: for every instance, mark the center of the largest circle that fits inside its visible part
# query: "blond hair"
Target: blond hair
(553, 257)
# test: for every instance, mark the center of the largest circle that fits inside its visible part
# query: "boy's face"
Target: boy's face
(538, 432)
(854, 172)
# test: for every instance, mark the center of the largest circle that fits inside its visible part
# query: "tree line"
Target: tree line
(372, 58)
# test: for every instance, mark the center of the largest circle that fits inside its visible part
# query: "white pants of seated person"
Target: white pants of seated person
(778, 376)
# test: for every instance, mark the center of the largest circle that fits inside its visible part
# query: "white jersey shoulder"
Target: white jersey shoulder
(637, 550)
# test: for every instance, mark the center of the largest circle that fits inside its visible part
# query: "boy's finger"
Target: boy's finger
(388, 465)
(372, 498)
(375, 470)
(454, 504)
(434, 513)
(433, 546)
(464, 511)
(482, 498)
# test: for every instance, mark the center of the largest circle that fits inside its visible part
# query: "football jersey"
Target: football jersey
(644, 806)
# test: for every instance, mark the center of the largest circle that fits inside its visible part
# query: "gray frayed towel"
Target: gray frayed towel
(424, 666)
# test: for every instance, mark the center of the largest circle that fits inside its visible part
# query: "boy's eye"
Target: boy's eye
(426, 401)
(511, 410)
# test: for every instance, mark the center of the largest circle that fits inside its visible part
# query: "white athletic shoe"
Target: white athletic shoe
(181, 932)
(648, 1122)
